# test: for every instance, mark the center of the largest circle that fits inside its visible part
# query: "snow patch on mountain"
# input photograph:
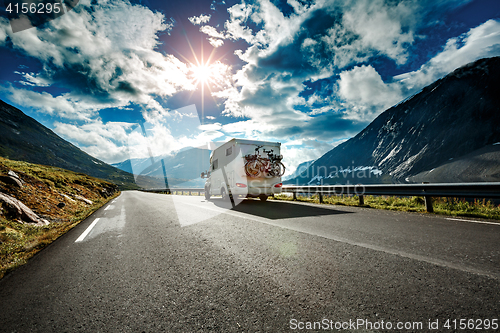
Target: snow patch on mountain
(367, 170)
(393, 153)
(406, 166)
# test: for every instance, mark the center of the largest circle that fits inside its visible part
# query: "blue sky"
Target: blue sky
(309, 74)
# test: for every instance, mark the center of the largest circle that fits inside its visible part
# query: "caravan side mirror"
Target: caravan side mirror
(203, 175)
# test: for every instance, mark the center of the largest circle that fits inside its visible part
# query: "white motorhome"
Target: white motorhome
(245, 168)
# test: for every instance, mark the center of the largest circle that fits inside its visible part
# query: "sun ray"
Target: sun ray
(204, 73)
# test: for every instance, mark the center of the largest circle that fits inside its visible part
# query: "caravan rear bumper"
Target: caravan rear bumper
(263, 190)
(257, 190)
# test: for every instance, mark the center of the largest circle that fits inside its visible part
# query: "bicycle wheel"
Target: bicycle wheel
(282, 168)
(267, 169)
(277, 169)
(253, 168)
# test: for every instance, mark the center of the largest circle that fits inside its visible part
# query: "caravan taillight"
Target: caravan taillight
(240, 185)
(278, 185)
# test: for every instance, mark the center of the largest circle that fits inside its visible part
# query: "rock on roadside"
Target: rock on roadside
(21, 211)
(78, 197)
(10, 180)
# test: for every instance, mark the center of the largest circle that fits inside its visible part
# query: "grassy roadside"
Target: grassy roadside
(62, 197)
(442, 206)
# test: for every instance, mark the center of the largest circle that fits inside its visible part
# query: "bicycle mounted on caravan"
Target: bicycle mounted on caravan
(256, 165)
(238, 168)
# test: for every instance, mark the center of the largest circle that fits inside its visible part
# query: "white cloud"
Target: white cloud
(164, 133)
(275, 27)
(247, 129)
(211, 31)
(5, 29)
(115, 44)
(215, 37)
(215, 42)
(384, 29)
(197, 20)
(319, 40)
(210, 127)
(33, 79)
(170, 133)
(106, 142)
(104, 54)
(299, 151)
(236, 26)
(480, 42)
(56, 106)
(364, 90)
(351, 32)
(366, 94)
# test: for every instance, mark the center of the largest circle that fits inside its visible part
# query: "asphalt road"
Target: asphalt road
(158, 263)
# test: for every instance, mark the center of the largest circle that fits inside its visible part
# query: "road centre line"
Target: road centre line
(86, 232)
(472, 221)
(423, 258)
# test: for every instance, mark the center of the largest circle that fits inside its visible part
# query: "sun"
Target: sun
(207, 74)
(202, 73)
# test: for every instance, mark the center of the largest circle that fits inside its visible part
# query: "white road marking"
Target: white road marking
(110, 206)
(472, 221)
(86, 232)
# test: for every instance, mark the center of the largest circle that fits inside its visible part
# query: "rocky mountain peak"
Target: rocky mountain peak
(452, 117)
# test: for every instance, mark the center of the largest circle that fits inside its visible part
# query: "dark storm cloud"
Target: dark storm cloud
(292, 58)
(323, 127)
(85, 82)
(266, 96)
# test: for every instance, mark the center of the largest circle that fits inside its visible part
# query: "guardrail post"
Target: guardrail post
(189, 192)
(320, 194)
(428, 204)
(294, 195)
(361, 200)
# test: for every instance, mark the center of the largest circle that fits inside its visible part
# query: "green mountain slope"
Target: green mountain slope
(24, 139)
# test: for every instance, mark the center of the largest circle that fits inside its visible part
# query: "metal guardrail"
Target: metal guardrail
(175, 190)
(457, 190)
